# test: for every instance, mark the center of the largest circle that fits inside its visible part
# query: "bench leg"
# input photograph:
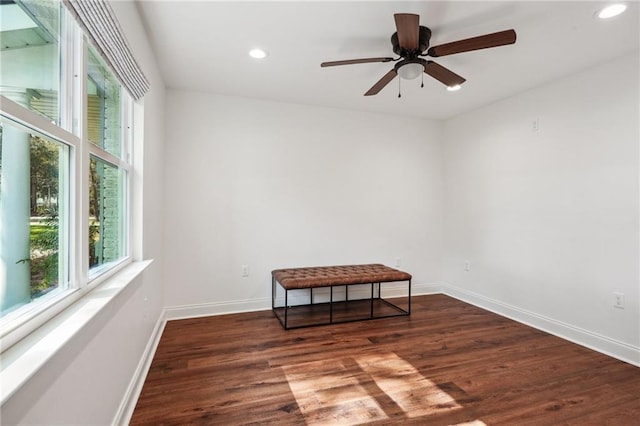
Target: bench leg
(273, 293)
(409, 300)
(286, 307)
(371, 301)
(331, 305)
(274, 296)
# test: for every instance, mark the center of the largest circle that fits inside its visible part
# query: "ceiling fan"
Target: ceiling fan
(411, 43)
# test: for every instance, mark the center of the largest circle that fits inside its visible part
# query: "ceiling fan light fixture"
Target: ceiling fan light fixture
(612, 10)
(411, 43)
(454, 88)
(411, 71)
(257, 53)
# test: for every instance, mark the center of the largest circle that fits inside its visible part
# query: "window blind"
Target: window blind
(101, 26)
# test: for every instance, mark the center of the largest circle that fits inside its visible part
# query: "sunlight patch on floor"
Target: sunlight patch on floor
(414, 393)
(334, 392)
(328, 395)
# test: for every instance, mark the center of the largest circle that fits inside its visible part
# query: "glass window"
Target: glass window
(51, 125)
(34, 198)
(106, 213)
(104, 127)
(30, 54)
(107, 172)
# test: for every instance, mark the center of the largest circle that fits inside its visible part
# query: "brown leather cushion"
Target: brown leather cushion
(323, 276)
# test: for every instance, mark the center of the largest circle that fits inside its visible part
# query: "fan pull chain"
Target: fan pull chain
(399, 87)
(422, 83)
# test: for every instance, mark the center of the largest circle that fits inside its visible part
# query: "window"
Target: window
(33, 216)
(64, 165)
(107, 168)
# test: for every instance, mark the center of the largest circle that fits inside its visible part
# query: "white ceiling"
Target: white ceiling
(203, 45)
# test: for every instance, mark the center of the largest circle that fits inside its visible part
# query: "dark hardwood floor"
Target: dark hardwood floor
(449, 363)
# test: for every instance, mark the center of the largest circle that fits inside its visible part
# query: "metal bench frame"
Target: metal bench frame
(281, 312)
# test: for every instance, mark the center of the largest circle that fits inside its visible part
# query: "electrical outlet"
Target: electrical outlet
(245, 270)
(398, 262)
(618, 300)
(467, 265)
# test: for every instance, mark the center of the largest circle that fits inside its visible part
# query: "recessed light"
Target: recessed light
(612, 10)
(257, 53)
(454, 88)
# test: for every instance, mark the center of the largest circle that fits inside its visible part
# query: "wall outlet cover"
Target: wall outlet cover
(618, 300)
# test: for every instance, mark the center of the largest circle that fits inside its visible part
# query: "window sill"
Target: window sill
(20, 362)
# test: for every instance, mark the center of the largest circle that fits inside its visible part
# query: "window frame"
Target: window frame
(94, 276)
(71, 130)
(17, 324)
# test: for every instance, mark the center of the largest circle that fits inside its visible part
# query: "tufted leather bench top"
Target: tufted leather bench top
(324, 276)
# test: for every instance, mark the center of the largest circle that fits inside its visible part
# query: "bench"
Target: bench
(341, 309)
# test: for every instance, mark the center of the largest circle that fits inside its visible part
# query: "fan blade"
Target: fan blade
(442, 74)
(475, 43)
(381, 83)
(354, 61)
(407, 25)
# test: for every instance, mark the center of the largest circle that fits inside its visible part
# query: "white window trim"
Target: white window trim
(34, 121)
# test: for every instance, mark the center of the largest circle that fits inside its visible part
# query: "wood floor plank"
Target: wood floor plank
(449, 363)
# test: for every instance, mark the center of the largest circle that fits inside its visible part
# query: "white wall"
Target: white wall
(273, 185)
(84, 383)
(549, 219)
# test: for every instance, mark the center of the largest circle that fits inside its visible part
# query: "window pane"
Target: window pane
(29, 54)
(103, 106)
(33, 216)
(106, 213)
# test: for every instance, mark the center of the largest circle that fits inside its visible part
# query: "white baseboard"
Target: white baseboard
(128, 403)
(217, 308)
(611, 347)
(424, 289)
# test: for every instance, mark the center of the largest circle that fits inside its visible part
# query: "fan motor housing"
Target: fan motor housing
(423, 43)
